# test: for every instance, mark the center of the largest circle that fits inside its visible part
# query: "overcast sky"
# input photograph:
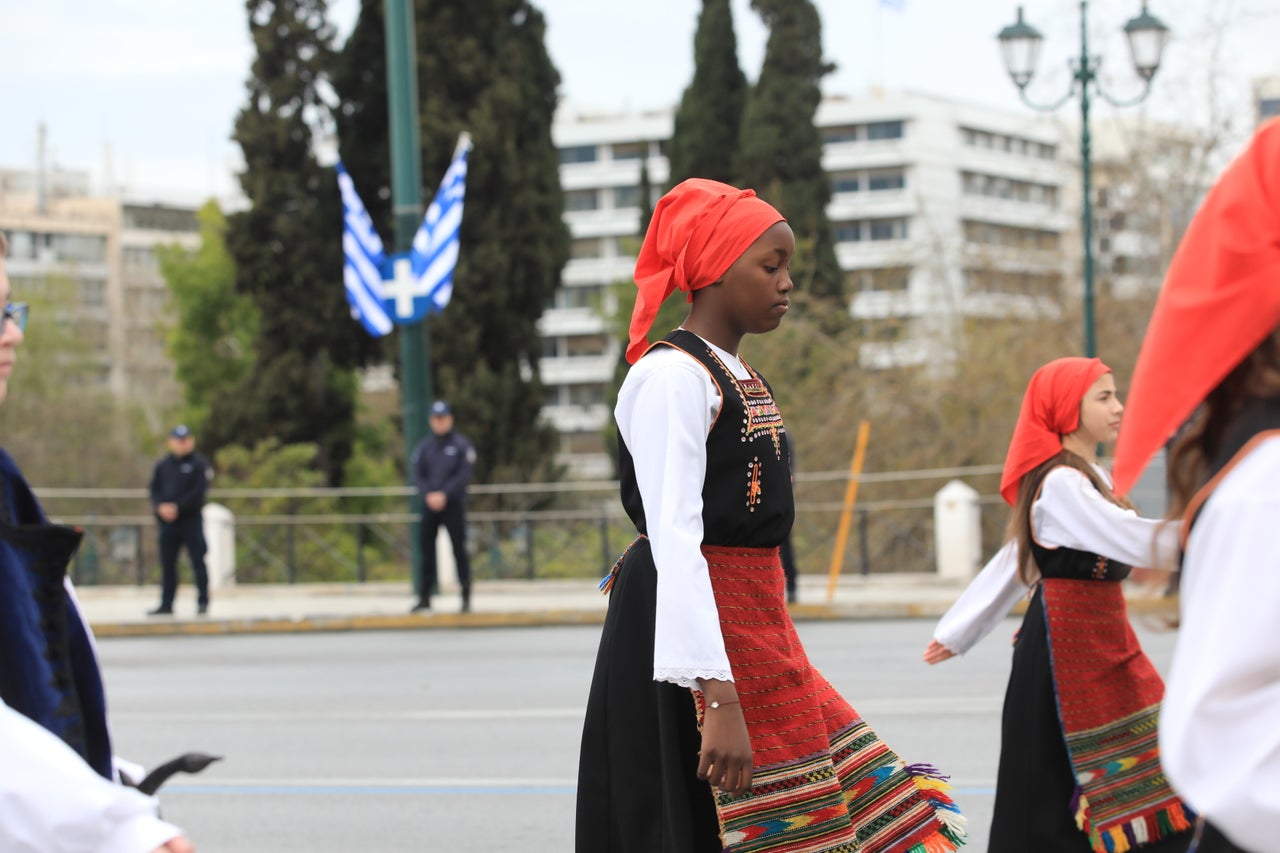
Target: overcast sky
(157, 83)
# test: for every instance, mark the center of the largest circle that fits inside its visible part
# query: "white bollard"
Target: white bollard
(957, 531)
(220, 537)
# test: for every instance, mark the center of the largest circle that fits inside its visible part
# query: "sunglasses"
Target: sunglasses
(14, 312)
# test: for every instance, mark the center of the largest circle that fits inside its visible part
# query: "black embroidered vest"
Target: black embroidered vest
(1073, 564)
(746, 497)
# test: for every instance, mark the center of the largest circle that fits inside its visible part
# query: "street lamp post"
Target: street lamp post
(1020, 46)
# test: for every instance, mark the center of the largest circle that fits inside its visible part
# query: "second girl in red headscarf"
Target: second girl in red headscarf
(1079, 764)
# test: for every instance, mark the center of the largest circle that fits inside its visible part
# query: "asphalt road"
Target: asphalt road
(467, 740)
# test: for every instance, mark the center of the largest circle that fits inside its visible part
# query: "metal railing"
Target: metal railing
(515, 530)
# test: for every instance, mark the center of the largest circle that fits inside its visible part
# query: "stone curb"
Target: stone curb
(1165, 608)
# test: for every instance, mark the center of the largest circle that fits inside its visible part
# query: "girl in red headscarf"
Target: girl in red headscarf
(707, 728)
(1079, 767)
(1212, 354)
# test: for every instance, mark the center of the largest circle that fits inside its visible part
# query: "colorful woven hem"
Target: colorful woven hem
(1109, 696)
(824, 781)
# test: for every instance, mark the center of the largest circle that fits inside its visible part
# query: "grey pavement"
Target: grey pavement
(277, 608)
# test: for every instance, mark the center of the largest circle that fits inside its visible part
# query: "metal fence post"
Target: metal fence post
(863, 549)
(531, 570)
(361, 574)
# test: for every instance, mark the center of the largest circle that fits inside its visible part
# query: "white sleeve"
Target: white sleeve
(988, 599)
(665, 410)
(1219, 742)
(1071, 513)
(52, 802)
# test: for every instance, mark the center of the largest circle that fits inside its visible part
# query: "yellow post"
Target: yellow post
(846, 516)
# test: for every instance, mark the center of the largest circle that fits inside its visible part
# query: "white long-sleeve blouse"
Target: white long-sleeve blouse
(1069, 513)
(1219, 738)
(666, 407)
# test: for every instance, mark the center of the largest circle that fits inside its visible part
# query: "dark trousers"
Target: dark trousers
(454, 519)
(186, 532)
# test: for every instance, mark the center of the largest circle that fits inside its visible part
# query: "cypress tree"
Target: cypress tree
(705, 139)
(288, 253)
(484, 68)
(781, 151)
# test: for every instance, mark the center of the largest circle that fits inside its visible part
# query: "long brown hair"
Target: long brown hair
(1257, 377)
(1019, 528)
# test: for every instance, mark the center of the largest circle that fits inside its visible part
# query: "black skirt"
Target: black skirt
(1035, 783)
(633, 798)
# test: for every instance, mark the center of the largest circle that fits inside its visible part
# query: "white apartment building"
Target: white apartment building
(941, 211)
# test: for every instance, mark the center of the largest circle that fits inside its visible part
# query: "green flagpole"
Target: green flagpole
(406, 201)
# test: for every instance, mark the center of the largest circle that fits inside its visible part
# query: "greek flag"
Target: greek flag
(363, 258)
(435, 247)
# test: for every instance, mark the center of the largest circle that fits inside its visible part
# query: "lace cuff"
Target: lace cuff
(689, 676)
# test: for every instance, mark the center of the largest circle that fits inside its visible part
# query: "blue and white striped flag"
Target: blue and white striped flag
(363, 258)
(435, 247)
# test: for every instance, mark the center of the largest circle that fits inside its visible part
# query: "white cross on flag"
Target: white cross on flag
(402, 288)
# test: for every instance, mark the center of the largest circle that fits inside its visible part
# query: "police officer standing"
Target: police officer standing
(178, 486)
(442, 465)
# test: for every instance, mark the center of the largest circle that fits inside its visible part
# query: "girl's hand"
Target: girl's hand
(935, 652)
(725, 758)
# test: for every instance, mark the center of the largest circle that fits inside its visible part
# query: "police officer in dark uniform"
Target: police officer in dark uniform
(178, 486)
(442, 464)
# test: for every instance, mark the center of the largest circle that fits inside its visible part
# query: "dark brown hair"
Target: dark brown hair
(1257, 377)
(1019, 528)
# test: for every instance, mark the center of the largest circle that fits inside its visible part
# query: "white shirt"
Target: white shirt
(51, 801)
(1069, 513)
(1220, 725)
(666, 408)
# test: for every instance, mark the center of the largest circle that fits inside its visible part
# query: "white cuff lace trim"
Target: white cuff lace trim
(689, 676)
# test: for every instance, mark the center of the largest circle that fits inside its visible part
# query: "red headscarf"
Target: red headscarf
(1050, 410)
(1221, 298)
(698, 230)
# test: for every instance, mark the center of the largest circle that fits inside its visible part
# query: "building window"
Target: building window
(586, 296)
(585, 345)
(88, 248)
(884, 130)
(879, 279)
(887, 229)
(578, 200)
(630, 150)
(847, 232)
(582, 443)
(586, 248)
(578, 154)
(589, 394)
(879, 180)
(626, 196)
(845, 182)
(1268, 108)
(550, 347)
(838, 135)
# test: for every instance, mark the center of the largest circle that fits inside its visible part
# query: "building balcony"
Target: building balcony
(570, 321)
(578, 369)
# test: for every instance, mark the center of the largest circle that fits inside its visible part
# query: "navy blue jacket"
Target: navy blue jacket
(443, 463)
(181, 480)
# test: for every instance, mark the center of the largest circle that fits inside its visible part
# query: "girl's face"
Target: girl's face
(1100, 412)
(10, 335)
(757, 286)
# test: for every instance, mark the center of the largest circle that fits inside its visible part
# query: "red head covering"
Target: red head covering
(698, 230)
(1221, 298)
(1050, 410)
